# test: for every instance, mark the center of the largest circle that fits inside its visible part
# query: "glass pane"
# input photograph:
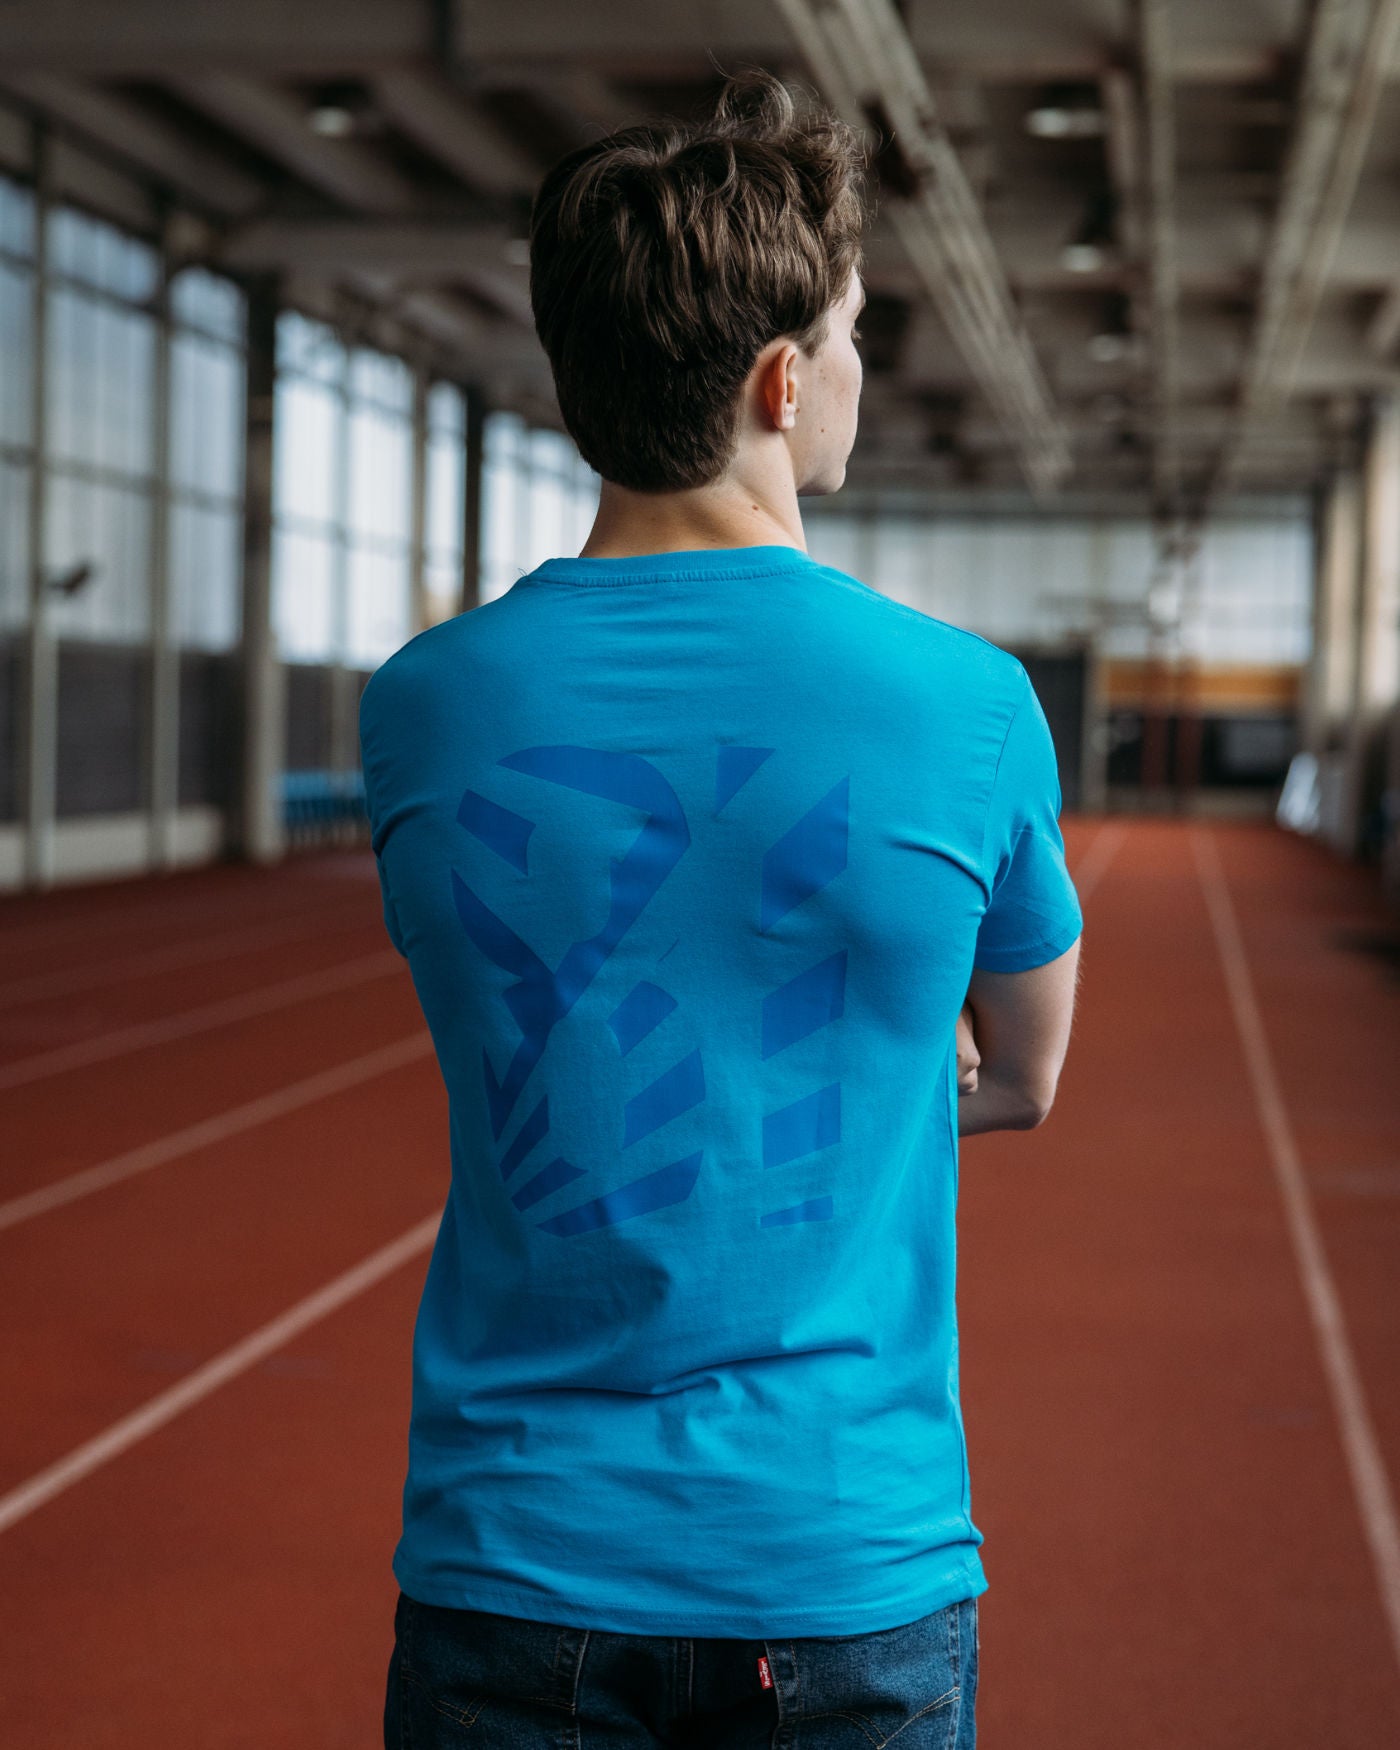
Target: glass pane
(446, 487)
(72, 241)
(101, 256)
(377, 377)
(442, 587)
(16, 219)
(204, 300)
(303, 567)
(379, 620)
(108, 527)
(206, 416)
(501, 488)
(447, 410)
(306, 432)
(125, 390)
(381, 471)
(206, 560)
(16, 355)
(553, 451)
(545, 535)
(309, 348)
(126, 266)
(70, 376)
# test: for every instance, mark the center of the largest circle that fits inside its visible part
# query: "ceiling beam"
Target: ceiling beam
(398, 247)
(1349, 48)
(1383, 330)
(1155, 52)
(146, 141)
(860, 54)
(275, 122)
(446, 126)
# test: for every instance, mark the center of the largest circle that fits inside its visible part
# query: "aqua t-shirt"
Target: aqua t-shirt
(692, 856)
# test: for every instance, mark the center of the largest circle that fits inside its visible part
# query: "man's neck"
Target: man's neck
(724, 515)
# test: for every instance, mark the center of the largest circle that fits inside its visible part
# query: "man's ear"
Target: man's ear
(778, 381)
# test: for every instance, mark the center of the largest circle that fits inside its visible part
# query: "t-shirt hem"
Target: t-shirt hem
(1039, 953)
(505, 1600)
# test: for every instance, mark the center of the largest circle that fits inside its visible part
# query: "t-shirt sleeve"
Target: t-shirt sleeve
(1033, 914)
(391, 916)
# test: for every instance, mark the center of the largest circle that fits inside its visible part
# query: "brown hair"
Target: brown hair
(665, 257)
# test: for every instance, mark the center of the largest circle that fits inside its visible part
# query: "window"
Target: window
(539, 499)
(445, 506)
(206, 460)
(342, 498)
(99, 409)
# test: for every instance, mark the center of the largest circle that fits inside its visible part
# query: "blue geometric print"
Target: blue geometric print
(548, 1179)
(802, 1128)
(506, 833)
(734, 766)
(813, 999)
(644, 1007)
(672, 1184)
(530, 1132)
(807, 856)
(680, 1088)
(814, 1209)
(810, 854)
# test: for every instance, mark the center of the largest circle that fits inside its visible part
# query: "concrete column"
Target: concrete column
(39, 729)
(163, 748)
(473, 451)
(1330, 681)
(258, 834)
(1377, 683)
(420, 617)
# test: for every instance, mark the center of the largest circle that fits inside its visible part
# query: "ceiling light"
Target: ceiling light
(331, 119)
(1114, 338)
(1082, 257)
(1066, 112)
(1107, 349)
(1092, 244)
(339, 108)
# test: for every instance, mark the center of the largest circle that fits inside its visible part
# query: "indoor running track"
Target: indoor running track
(224, 1154)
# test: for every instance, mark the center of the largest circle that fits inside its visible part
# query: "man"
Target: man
(703, 856)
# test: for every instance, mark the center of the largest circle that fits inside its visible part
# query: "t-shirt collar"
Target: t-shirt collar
(691, 562)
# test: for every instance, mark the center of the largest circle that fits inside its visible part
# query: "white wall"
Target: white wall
(1032, 580)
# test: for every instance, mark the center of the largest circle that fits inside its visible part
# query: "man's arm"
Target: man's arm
(1019, 1028)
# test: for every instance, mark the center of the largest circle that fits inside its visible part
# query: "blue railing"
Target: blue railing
(324, 804)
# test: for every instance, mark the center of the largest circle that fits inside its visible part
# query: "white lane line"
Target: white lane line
(1369, 1481)
(159, 1410)
(66, 980)
(211, 1130)
(208, 1016)
(1093, 865)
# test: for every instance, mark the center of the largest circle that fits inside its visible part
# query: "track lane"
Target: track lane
(1172, 1544)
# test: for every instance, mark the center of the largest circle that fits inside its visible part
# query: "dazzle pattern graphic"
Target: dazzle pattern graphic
(808, 853)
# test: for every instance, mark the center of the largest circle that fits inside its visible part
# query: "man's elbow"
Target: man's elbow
(1036, 1103)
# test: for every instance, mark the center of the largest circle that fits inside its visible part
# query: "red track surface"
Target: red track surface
(1173, 1539)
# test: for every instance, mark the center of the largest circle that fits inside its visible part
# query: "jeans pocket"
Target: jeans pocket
(861, 1691)
(465, 1671)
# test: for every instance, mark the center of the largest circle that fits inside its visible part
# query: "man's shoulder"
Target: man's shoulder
(436, 651)
(911, 631)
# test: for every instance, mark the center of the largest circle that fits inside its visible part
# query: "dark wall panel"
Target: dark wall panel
(103, 694)
(1059, 682)
(12, 660)
(209, 727)
(309, 693)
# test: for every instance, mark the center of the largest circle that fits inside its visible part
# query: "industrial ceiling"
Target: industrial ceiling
(1148, 251)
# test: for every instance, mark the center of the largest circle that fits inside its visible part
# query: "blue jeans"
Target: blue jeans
(488, 1682)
